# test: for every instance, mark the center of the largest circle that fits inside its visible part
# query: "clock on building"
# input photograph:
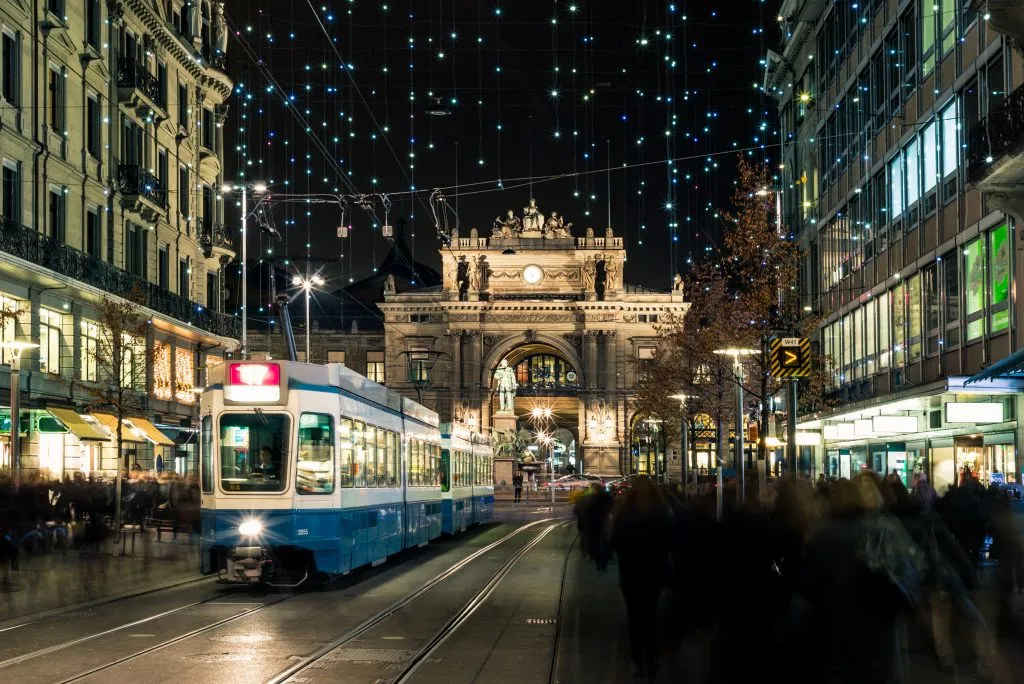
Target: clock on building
(533, 274)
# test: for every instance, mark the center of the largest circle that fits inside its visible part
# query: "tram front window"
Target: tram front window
(253, 451)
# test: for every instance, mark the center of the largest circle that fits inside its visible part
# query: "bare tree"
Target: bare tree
(121, 360)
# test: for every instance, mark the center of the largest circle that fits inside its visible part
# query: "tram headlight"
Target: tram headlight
(250, 528)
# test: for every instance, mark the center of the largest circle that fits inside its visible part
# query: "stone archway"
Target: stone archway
(507, 344)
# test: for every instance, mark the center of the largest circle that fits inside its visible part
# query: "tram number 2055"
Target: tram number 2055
(302, 532)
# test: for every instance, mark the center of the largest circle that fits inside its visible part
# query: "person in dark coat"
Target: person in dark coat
(640, 530)
(517, 485)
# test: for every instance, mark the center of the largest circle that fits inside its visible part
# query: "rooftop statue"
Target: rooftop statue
(556, 227)
(508, 226)
(533, 220)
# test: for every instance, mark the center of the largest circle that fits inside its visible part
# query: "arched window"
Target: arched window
(545, 372)
(647, 447)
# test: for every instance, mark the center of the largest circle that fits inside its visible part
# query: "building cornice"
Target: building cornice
(206, 76)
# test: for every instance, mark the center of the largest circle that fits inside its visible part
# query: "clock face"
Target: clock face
(532, 274)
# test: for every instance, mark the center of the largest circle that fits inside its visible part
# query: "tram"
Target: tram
(311, 471)
(467, 479)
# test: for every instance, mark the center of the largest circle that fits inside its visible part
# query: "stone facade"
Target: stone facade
(111, 138)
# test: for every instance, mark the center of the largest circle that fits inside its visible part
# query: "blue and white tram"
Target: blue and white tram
(309, 469)
(467, 481)
(483, 479)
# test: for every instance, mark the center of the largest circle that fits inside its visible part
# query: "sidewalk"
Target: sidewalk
(76, 578)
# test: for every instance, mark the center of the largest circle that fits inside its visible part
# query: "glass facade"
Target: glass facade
(545, 372)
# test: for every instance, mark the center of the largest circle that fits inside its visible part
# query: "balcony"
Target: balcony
(138, 88)
(21, 242)
(217, 240)
(141, 192)
(995, 153)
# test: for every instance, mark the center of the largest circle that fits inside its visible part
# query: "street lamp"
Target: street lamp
(307, 284)
(683, 443)
(259, 189)
(736, 353)
(16, 348)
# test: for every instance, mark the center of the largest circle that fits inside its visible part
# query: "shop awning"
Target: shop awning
(78, 425)
(110, 422)
(1010, 367)
(150, 431)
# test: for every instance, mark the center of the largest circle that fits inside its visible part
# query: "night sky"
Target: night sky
(557, 91)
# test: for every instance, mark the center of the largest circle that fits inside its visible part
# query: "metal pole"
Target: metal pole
(16, 419)
(791, 403)
(245, 274)
(685, 455)
(738, 458)
(307, 321)
(608, 145)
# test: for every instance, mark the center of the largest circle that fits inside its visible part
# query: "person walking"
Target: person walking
(517, 485)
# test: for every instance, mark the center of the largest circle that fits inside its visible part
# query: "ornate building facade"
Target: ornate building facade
(555, 309)
(111, 139)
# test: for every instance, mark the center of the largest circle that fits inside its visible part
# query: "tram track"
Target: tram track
(450, 627)
(219, 600)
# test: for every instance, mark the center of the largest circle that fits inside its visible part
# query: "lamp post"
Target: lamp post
(738, 446)
(307, 284)
(16, 348)
(684, 447)
(258, 188)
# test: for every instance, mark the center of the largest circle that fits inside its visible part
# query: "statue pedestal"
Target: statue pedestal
(503, 420)
(527, 234)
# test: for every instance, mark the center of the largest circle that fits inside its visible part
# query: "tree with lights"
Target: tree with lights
(121, 358)
(740, 299)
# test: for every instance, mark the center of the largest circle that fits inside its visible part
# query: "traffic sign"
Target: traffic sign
(789, 357)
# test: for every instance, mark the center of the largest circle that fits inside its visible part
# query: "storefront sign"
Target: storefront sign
(894, 425)
(974, 412)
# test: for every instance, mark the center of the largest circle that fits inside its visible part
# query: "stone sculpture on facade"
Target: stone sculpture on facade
(195, 19)
(508, 226)
(482, 273)
(533, 220)
(589, 273)
(611, 273)
(677, 283)
(389, 284)
(556, 227)
(221, 30)
(609, 233)
(505, 381)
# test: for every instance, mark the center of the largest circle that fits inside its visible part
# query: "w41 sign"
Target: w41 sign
(789, 357)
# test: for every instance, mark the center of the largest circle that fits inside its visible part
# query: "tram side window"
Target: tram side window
(415, 463)
(359, 453)
(393, 460)
(345, 428)
(254, 451)
(314, 473)
(371, 456)
(382, 457)
(206, 474)
(435, 466)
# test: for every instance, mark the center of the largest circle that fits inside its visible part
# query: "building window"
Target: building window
(135, 249)
(56, 7)
(184, 277)
(93, 134)
(545, 371)
(49, 341)
(163, 168)
(182, 105)
(375, 366)
(335, 356)
(57, 99)
(162, 377)
(974, 284)
(161, 84)
(914, 317)
(133, 362)
(209, 130)
(12, 191)
(55, 216)
(164, 267)
(131, 143)
(9, 308)
(92, 23)
(213, 291)
(931, 308)
(884, 331)
(92, 232)
(895, 187)
(951, 299)
(184, 375)
(11, 72)
(950, 149)
(183, 189)
(999, 278)
(90, 334)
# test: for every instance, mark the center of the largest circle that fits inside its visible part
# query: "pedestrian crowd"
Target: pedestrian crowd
(834, 582)
(41, 516)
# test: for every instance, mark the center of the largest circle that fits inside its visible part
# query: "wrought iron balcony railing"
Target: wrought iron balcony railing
(133, 180)
(22, 242)
(216, 236)
(132, 74)
(998, 134)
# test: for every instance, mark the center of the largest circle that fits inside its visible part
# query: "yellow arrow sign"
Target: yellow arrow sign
(790, 358)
